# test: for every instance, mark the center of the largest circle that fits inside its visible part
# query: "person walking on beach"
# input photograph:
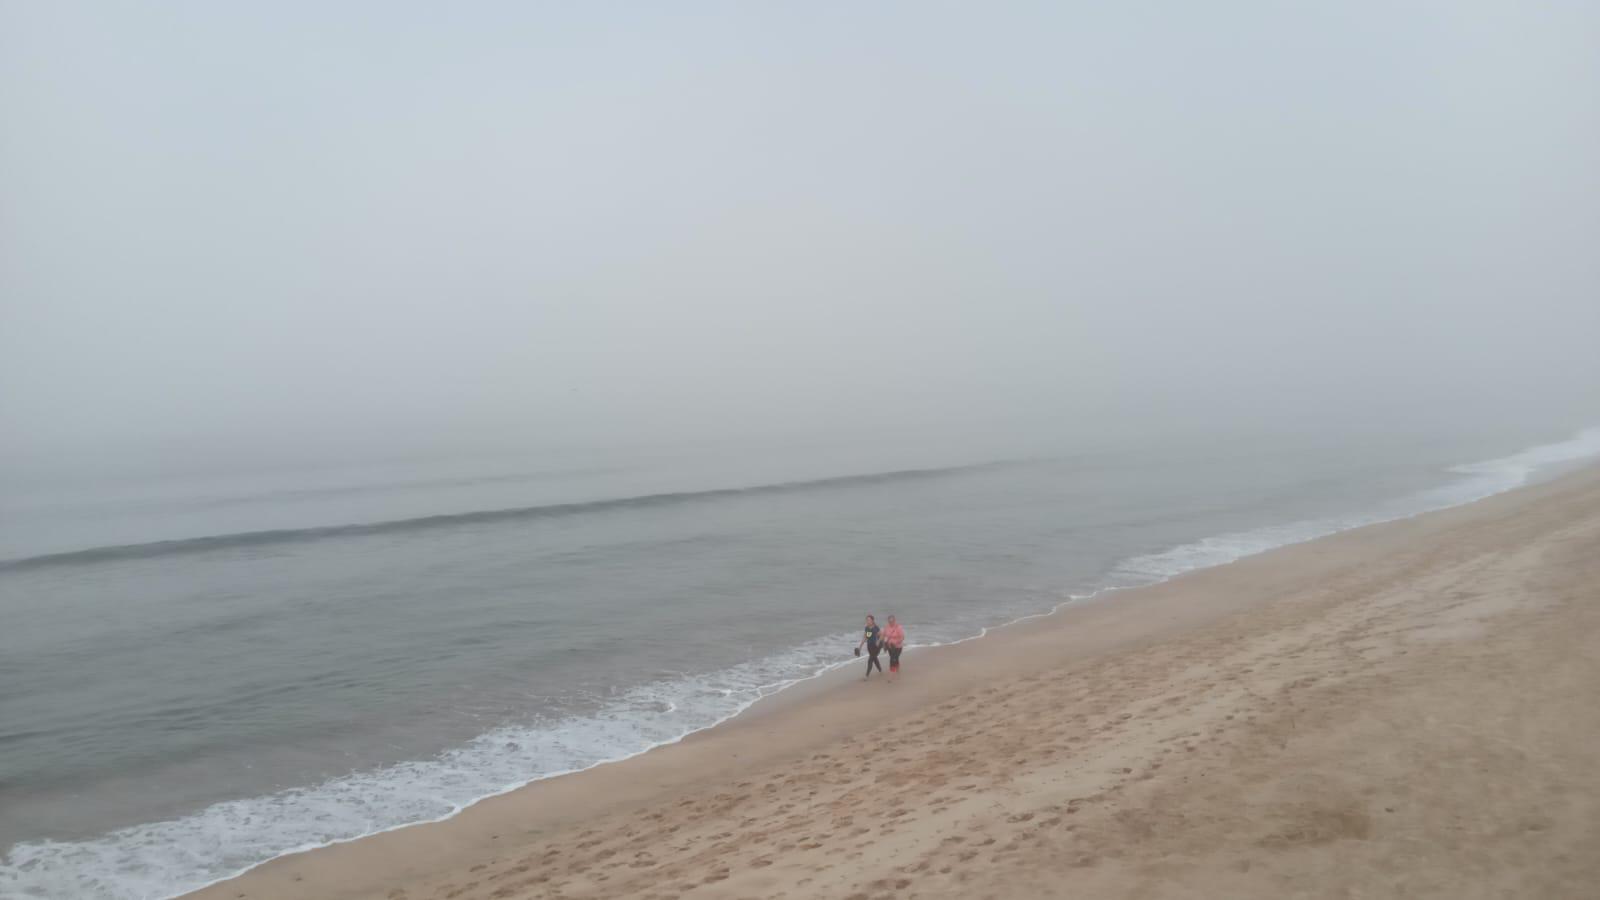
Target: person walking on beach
(894, 637)
(870, 637)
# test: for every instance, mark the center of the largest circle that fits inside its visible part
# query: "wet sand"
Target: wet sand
(1406, 709)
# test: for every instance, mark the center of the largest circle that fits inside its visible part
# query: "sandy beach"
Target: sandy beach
(1406, 709)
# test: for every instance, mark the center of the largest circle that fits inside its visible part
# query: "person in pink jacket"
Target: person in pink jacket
(894, 638)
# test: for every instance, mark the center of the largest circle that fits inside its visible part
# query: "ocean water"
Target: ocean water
(199, 674)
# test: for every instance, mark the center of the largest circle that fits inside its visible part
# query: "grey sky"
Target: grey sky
(304, 222)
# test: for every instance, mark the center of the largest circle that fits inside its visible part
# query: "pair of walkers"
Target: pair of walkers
(892, 637)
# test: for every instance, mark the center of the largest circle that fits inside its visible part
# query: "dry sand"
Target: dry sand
(1408, 709)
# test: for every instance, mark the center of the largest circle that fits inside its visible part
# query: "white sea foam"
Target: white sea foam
(1475, 481)
(165, 859)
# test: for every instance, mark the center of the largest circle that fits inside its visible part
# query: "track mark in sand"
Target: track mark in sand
(1319, 826)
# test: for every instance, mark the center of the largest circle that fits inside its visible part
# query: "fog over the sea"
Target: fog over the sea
(284, 228)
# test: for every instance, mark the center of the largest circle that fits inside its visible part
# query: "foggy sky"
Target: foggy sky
(280, 224)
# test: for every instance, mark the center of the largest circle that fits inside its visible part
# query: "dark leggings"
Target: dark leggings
(872, 660)
(894, 659)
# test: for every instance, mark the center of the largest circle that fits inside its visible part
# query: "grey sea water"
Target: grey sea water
(199, 674)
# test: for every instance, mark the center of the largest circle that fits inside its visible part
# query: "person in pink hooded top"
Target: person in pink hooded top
(894, 638)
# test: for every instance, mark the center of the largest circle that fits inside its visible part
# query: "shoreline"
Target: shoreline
(823, 710)
(115, 863)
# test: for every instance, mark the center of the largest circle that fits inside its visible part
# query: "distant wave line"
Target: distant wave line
(180, 546)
